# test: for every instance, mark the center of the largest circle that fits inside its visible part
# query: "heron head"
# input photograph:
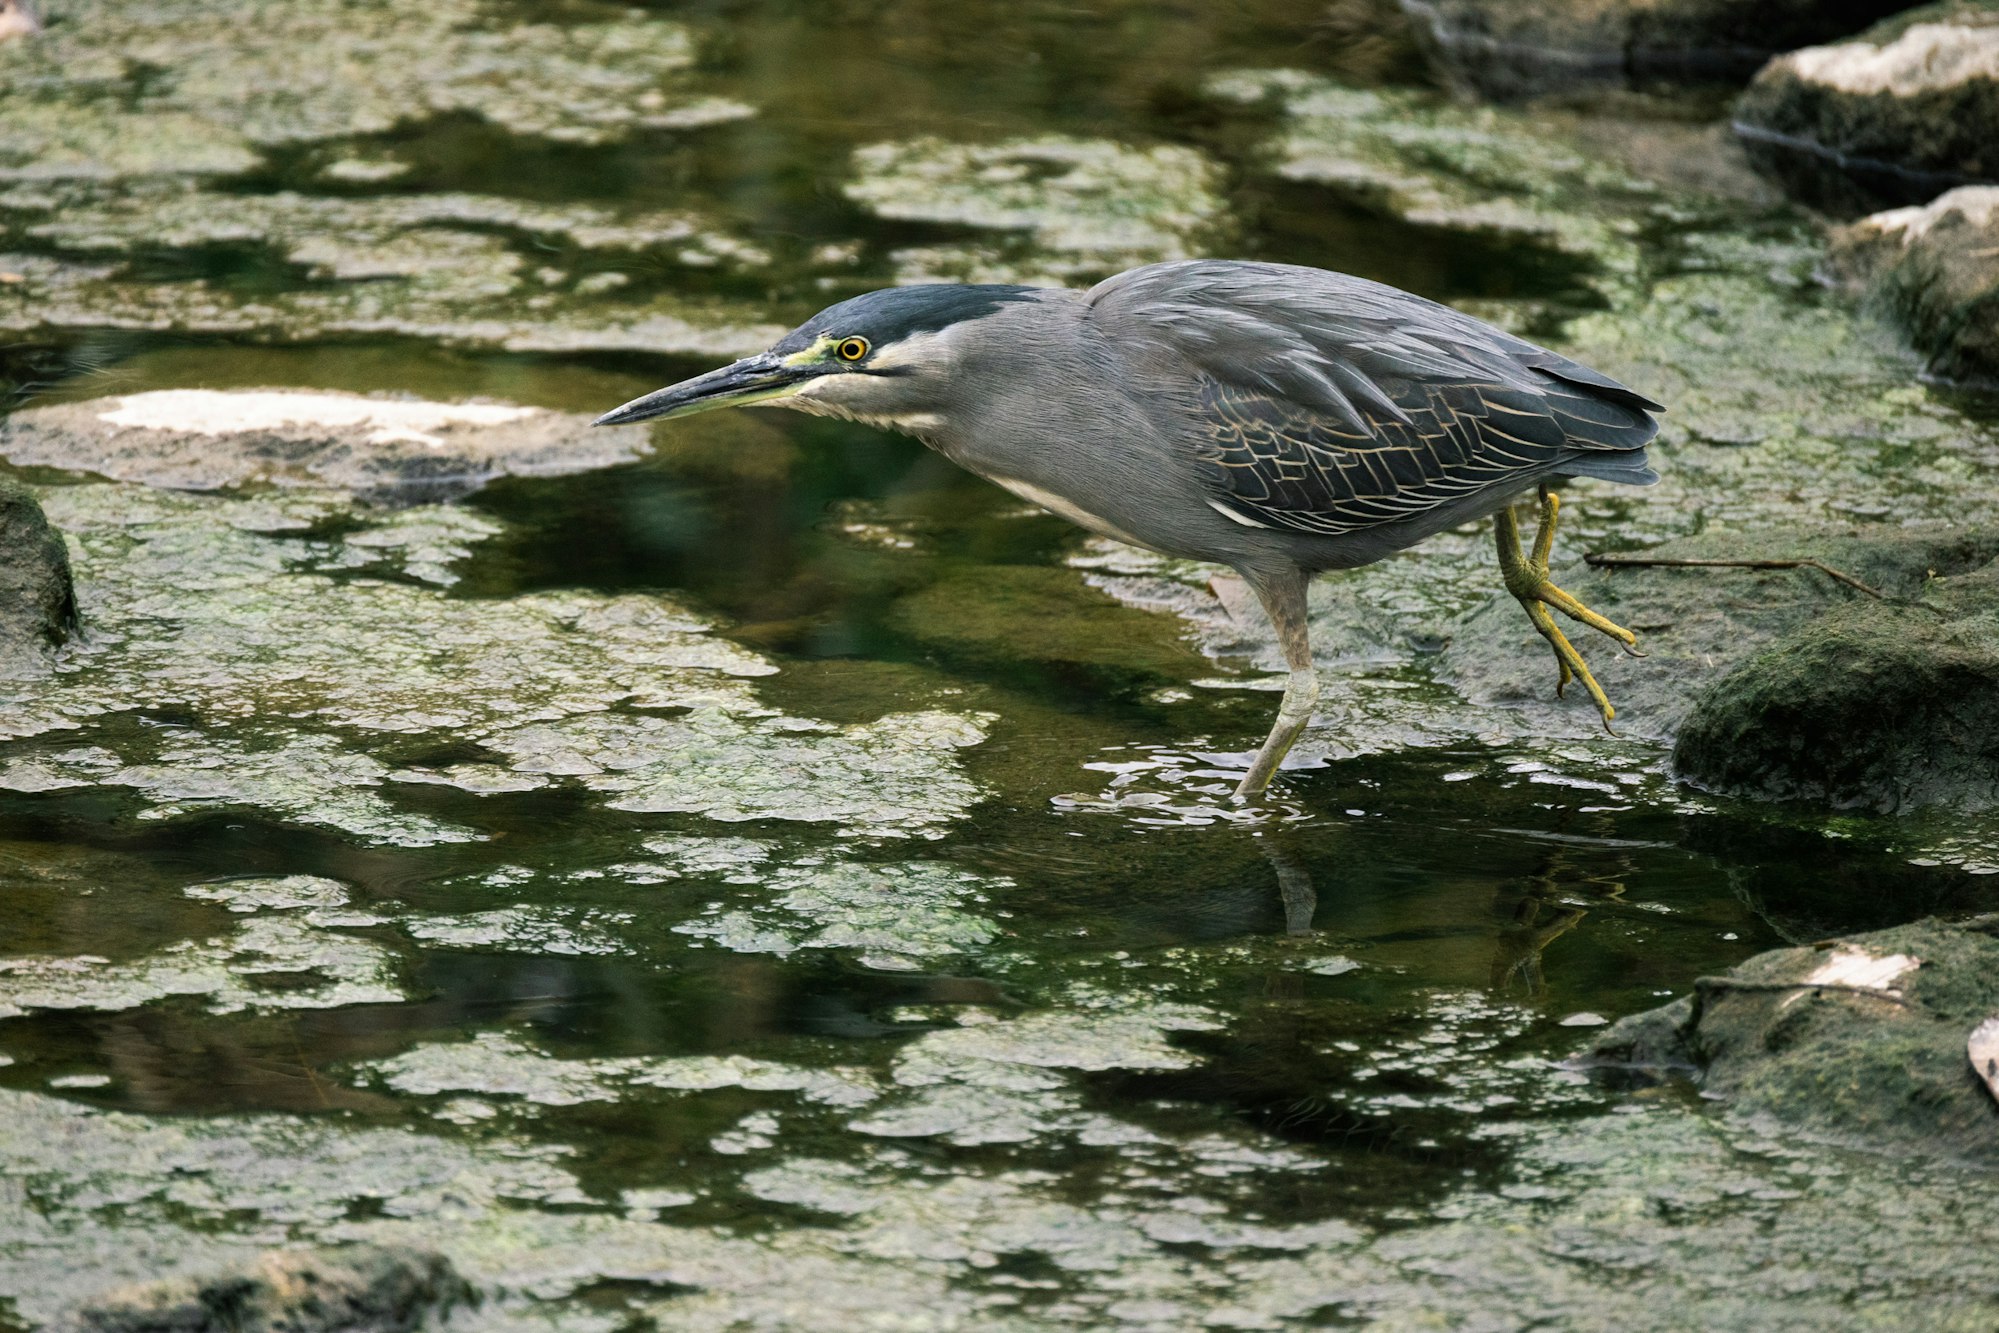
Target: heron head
(881, 358)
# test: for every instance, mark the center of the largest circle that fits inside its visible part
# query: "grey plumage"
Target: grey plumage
(1278, 419)
(1332, 404)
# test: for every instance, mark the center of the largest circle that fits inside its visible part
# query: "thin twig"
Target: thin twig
(1600, 560)
(1730, 983)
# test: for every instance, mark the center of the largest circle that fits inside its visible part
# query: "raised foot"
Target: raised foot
(1527, 579)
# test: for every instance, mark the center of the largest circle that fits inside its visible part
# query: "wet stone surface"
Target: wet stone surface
(1929, 268)
(353, 1287)
(1895, 116)
(37, 592)
(750, 875)
(1857, 1040)
(1557, 46)
(386, 449)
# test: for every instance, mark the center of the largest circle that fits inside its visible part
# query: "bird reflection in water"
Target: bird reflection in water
(1557, 897)
(1294, 885)
(1549, 909)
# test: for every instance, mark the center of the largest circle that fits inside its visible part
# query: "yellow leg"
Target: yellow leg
(1527, 579)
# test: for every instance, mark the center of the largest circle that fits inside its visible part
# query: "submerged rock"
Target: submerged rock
(352, 1289)
(1906, 110)
(37, 595)
(1510, 49)
(1869, 705)
(1858, 1041)
(1935, 270)
(380, 448)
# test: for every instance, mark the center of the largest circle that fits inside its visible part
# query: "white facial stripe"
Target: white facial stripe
(918, 349)
(821, 397)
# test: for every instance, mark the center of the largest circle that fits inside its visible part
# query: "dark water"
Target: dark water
(1463, 900)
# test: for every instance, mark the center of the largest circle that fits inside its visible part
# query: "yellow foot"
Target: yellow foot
(1527, 579)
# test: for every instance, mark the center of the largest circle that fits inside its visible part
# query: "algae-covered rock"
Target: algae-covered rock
(350, 1289)
(1505, 48)
(1903, 111)
(471, 270)
(1935, 270)
(381, 448)
(1702, 628)
(1433, 164)
(1082, 209)
(314, 674)
(1870, 705)
(1860, 1040)
(37, 595)
(184, 87)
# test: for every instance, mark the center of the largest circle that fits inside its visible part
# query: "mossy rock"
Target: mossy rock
(37, 596)
(1505, 49)
(1859, 1041)
(1903, 112)
(359, 1289)
(1702, 628)
(1935, 272)
(1879, 706)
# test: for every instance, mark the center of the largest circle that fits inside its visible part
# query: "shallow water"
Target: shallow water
(823, 913)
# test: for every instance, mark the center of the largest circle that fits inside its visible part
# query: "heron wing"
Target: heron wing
(1329, 404)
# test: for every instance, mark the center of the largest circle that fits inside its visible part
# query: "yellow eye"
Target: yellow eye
(852, 349)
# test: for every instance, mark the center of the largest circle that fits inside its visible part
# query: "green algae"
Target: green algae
(1473, 170)
(224, 972)
(992, 1081)
(496, 1065)
(179, 90)
(1088, 208)
(463, 269)
(895, 915)
(248, 895)
(895, 777)
(119, 1197)
(293, 675)
(1651, 1216)
(525, 929)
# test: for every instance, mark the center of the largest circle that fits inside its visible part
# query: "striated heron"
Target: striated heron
(1277, 419)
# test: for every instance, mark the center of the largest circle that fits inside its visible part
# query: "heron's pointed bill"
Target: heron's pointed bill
(754, 379)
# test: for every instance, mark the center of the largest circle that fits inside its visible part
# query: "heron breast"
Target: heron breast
(1070, 510)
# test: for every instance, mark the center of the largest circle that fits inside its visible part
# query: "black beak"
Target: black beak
(754, 379)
